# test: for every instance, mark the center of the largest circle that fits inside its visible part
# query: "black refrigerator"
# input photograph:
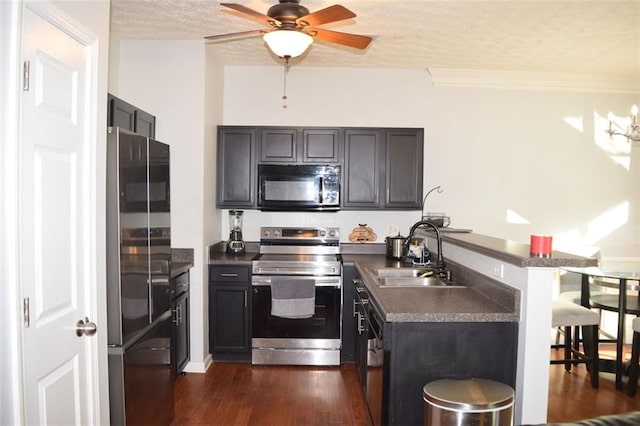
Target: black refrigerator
(139, 317)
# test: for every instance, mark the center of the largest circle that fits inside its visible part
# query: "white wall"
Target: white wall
(543, 155)
(169, 79)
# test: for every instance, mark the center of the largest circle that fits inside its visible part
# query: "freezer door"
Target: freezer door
(141, 378)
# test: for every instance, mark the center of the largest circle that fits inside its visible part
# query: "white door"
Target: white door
(58, 248)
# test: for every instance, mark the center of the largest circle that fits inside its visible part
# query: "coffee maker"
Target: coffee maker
(235, 245)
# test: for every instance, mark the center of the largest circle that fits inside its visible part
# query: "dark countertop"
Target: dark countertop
(513, 252)
(483, 300)
(178, 267)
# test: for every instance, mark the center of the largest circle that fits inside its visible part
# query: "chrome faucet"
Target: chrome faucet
(440, 264)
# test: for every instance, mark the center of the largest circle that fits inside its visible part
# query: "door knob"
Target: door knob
(85, 327)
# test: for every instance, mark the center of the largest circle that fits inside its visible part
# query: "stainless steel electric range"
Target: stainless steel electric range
(297, 297)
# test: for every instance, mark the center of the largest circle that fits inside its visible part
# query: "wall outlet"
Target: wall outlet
(392, 230)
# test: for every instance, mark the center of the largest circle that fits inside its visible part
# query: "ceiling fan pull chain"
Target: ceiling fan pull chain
(286, 70)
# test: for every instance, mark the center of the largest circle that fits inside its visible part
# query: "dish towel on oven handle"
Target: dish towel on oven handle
(293, 298)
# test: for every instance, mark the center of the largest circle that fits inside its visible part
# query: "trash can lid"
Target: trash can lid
(468, 394)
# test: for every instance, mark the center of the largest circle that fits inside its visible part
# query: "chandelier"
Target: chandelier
(632, 132)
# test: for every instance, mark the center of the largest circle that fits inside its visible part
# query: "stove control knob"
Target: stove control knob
(322, 233)
(266, 233)
(276, 233)
(332, 233)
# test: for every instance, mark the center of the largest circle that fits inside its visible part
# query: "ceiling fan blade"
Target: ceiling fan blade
(231, 35)
(250, 13)
(351, 40)
(324, 16)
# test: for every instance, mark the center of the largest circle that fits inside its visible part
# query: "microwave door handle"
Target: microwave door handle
(321, 190)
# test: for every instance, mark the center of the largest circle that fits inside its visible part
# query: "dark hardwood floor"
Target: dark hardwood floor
(240, 394)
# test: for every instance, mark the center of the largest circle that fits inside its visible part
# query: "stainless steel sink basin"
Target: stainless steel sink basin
(402, 272)
(410, 277)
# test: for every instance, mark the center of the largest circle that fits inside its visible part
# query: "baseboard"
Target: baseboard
(199, 367)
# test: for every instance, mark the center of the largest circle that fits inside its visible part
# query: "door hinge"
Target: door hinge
(25, 312)
(26, 67)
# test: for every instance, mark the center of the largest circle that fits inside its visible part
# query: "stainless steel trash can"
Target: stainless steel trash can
(467, 402)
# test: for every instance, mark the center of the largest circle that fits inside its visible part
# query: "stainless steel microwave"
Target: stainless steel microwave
(298, 187)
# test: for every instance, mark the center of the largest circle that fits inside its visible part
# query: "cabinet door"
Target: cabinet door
(121, 114)
(321, 146)
(145, 124)
(229, 314)
(236, 167)
(349, 274)
(403, 168)
(278, 145)
(181, 323)
(362, 168)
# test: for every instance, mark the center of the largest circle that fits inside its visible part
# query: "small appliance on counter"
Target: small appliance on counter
(235, 245)
(395, 247)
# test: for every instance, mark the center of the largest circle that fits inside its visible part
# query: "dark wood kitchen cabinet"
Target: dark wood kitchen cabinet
(230, 312)
(237, 178)
(382, 169)
(127, 116)
(363, 160)
(404, 161)
(418, 353)
(299, 145)
(349, 274)
(181, 322)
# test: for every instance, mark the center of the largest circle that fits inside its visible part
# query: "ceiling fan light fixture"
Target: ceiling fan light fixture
(290, 43)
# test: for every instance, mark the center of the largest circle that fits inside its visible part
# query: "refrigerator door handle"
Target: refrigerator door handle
(150, 299)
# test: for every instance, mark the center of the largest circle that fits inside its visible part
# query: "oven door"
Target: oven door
(324, 324)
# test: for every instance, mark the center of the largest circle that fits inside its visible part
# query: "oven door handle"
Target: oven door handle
(265, 280)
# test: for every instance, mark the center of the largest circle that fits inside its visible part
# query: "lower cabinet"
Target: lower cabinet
(230, 312)
(418, 353)
(181, 325)
(347, 353)
(395, 360)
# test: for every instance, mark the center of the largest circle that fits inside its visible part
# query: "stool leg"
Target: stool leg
(567, 348)
(590, 345)
(576, 340)
(633, 367)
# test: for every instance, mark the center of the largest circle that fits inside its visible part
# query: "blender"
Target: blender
(235, 245)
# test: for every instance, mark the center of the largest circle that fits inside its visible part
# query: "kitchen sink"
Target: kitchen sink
(410, 277)
(402, 272)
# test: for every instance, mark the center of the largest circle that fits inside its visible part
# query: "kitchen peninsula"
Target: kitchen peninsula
(507, 292)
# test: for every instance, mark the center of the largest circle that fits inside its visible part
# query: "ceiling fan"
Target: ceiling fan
(293, 28)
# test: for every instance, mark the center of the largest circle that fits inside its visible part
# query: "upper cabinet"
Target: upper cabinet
(404, 160)
(236, 167)
(294, 145)
(381, 167)
(123, 114)
(363, 162)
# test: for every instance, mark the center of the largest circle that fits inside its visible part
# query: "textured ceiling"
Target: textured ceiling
(592, 37)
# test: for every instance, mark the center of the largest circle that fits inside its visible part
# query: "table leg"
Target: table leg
(622, 308)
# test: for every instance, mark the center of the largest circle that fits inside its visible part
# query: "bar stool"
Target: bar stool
(567, 314)
(632, 386)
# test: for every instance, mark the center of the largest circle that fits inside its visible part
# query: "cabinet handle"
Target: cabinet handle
(178, 312)
(360, 323)
(245, 299)
(355, 304)
(227, 275)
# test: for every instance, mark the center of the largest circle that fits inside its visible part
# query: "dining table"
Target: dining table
(623, 276)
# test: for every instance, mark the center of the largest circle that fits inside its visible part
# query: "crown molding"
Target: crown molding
(530, 80)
